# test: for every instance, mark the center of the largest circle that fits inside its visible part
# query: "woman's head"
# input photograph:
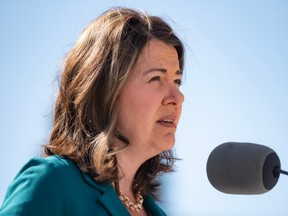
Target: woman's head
(95, 71)
(149, 105)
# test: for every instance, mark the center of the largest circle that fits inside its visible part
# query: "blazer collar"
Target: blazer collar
(108, 198)
(90, 181)
(111, 202)
(152, 207)
(115, 207)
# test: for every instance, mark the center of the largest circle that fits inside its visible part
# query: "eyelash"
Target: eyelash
(178, 82)
(157, 78)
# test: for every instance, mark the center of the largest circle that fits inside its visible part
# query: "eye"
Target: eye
(178, 82)
(156, 78)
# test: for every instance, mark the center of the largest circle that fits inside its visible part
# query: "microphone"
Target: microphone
(243, 168)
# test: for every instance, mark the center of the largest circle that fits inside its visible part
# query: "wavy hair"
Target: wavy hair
(94, 72)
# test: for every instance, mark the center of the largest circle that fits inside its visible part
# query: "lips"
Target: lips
(167, 121)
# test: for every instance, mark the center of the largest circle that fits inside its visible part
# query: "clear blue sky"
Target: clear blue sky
(236, 88)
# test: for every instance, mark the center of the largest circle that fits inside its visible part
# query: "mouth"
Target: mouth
(168, 122)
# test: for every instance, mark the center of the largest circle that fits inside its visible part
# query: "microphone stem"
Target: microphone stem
(283, 172)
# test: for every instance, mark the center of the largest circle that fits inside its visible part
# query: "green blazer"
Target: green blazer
(56, 186)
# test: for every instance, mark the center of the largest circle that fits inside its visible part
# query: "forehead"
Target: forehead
(158, 54)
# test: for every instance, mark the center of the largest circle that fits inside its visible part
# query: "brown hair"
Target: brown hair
(97, 67)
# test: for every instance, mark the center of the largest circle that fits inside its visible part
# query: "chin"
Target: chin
(168, 143)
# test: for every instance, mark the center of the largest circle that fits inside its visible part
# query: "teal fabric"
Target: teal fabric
(56, 186)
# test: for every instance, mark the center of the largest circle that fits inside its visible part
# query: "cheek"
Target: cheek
(141, 97)
(128, 109)
(141, 108)
(138, 107)
(138, 102)
(147, 104)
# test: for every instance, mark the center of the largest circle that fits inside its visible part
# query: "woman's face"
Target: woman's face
(149, 105)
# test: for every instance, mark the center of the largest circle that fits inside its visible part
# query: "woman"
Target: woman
(114, 123)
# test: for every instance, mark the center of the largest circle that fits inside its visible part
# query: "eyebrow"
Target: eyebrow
(162, 70)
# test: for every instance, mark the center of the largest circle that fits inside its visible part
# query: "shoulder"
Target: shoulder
(51, 170)
(55, 162)
(55, 186)
(39, 180)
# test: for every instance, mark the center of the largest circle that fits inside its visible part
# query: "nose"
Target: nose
(174, 96)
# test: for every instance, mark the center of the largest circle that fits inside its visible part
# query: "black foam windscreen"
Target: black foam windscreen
(243, 168)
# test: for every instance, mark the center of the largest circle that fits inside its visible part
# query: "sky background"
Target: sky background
(235, 88)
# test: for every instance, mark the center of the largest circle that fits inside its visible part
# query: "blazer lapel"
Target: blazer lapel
(152, 207)
(112, 203)
(115, 207)
(108, 198)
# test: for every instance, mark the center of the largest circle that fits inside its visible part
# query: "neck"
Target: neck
(129, 160)
(128, 164)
